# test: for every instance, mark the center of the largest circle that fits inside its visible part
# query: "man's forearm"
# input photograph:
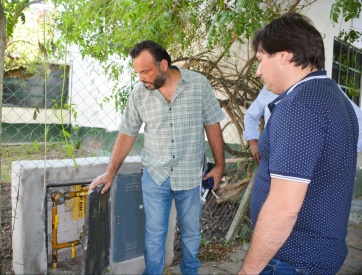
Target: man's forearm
(214, 136)
(275, 223)
(271, 231)
(253, 143)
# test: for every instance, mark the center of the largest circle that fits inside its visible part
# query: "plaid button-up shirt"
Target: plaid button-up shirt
(174, 136)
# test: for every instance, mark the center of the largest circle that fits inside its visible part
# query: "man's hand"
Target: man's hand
(106, 179)
(216, 173)
(253, 143)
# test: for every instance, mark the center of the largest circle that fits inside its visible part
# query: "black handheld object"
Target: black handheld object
(99, 188)
(209, 183)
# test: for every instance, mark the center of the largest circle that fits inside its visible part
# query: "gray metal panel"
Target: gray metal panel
(128, 226)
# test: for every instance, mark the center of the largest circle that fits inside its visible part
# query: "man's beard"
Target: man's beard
(158, 82)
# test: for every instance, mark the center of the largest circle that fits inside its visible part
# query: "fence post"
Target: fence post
(2, 58)
(243, 208)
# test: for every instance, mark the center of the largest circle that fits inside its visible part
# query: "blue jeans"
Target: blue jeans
(157, 204)
(276, 267)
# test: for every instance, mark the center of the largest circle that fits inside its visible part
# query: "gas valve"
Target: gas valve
(58, 197)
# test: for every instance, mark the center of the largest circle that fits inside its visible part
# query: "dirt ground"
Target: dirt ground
(7, 250)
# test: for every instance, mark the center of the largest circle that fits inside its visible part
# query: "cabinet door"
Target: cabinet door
(128, 227)
(96, 239)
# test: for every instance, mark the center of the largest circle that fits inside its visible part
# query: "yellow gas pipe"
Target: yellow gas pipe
(59, 198)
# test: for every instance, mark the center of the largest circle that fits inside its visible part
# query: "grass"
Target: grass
(50, 151)
(215, 250)
(246, 230)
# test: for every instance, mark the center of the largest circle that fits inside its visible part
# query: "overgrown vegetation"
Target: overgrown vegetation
(215, 250)
(245, 232)
(218, 250)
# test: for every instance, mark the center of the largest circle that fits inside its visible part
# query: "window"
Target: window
(24, 90)
(347, 69)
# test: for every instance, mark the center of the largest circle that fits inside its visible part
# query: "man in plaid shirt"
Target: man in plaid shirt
(176, 106)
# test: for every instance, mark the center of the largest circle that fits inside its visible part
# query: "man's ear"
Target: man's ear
(285, 57)
(163, 65)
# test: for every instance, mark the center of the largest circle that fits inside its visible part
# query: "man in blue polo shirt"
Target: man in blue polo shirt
(303, 190)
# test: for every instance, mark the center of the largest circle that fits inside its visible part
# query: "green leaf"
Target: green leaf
(36, 145)
(66, 133)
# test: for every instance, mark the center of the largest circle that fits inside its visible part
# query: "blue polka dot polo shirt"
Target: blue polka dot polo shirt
(311, 137)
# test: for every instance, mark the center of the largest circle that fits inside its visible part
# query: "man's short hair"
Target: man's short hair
(156, 50)
(294, 33)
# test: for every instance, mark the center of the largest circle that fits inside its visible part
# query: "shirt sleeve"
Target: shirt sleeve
(358, 112)
(297, 137)
(252, 118)
(212, 111)
(131, 121)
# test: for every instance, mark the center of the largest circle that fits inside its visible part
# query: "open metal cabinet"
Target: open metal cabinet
(114, 225)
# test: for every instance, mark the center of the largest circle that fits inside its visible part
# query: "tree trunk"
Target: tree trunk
(2, 57)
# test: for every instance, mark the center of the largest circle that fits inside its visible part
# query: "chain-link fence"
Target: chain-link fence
(68, 109)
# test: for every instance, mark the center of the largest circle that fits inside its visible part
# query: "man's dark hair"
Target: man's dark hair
(156, 50)
(292, 33)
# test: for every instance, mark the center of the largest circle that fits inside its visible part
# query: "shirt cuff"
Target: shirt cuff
(285, 177)
(248, 135)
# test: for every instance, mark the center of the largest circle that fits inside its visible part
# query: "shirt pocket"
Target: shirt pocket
(154, 112)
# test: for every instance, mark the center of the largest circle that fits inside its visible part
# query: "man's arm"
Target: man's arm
(274, 224)
(120, 151)
(214, 136)
(358, 113)
(253, 143)
(252, 119)
(251, 124)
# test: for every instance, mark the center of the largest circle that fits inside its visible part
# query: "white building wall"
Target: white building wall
(89, 87)
(26, 115)
(319, 13)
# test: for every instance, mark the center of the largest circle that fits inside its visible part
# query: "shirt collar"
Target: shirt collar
(316, 74)
(185, 76)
